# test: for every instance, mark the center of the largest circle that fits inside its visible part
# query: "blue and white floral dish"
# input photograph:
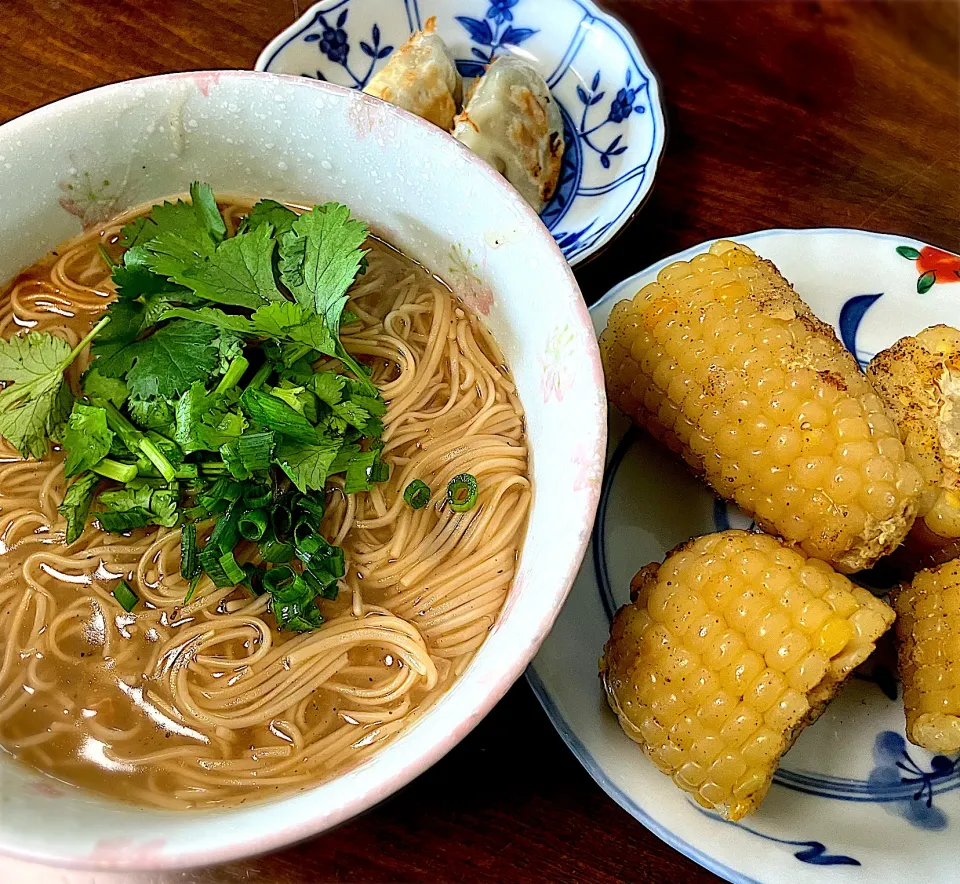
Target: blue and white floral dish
(853, 801)
(610, 99)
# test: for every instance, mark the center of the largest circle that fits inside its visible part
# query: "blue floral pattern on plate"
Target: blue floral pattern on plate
(332, 41)
(608, 96)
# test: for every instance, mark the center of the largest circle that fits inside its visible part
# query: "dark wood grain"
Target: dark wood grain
(780, 114)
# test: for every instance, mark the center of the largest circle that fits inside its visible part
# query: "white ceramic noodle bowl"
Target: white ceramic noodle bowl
(88, 157)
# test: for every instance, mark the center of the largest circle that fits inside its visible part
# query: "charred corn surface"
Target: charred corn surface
(919, 381)
(928, 636)
(723, 362)
(729, 649)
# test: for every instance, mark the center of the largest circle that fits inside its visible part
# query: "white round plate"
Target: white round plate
(613, 120)
(852, 801)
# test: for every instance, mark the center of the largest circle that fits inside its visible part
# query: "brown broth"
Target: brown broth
(207, 703)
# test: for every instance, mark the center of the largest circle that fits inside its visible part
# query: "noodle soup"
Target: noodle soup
(195, 697)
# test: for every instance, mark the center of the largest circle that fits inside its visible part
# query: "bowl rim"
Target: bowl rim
(619, 29)
(488, 693)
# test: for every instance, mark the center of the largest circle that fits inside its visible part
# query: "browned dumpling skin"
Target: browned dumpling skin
(421, 77)
(514, 123)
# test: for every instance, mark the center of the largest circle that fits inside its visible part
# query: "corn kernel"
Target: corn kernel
(928, 634)
(801, 405)
(715, 700)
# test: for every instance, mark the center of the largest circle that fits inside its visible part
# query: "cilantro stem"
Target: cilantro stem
(360, 374)
(234, 372)
(262, 374)
(99, 327)
(106, 257)
(113, 469)
(158, 459)
(136, 441)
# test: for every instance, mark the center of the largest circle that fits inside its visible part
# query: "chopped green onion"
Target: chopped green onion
(462, 493)
(223, 491)
(257, 496)
(281, 517)
(325, 590)
(277, 552)
(256, 450)
(125, 596)
(226, 532)
(277, 578)
(113, 469)
(303, 530)
(314, 506)
(196, 513)
(253, 578)
(193, 588)
(417, 494)
(231, 457)
(234, 572)
(189, 563)
(253, 524)
(363, 470)
(210, 560)
(125, 520)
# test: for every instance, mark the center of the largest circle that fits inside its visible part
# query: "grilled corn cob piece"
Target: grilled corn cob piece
(723, 362)
(730, 648)
(928, 639)
(918, 380)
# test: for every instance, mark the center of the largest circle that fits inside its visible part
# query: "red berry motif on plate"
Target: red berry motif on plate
(934, 265)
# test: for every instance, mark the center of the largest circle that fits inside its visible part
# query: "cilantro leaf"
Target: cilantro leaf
(170, 360)
(132, 281)
(231, 322)
(138, 505)
(320, 257)
(238, 272)
(307, 465)
(36, 405)
(277, 215)
(127, 323)
(28, 357)
(196, 221)
(205, 208)
(295, 323)
(203, 422)
(99, 386)
(87, 438)
(76, 504)
(328, 386)
(137, 232)
(282, 320)
(155, 414)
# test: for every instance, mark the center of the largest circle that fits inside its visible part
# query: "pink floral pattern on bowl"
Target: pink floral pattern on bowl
(558, 372)
(464, 275)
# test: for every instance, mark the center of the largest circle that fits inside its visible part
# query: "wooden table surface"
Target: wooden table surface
(780, 115)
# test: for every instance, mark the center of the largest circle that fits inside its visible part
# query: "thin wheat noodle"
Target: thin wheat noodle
(204, 703)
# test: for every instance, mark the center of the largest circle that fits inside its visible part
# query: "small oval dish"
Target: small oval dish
(610, 99)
